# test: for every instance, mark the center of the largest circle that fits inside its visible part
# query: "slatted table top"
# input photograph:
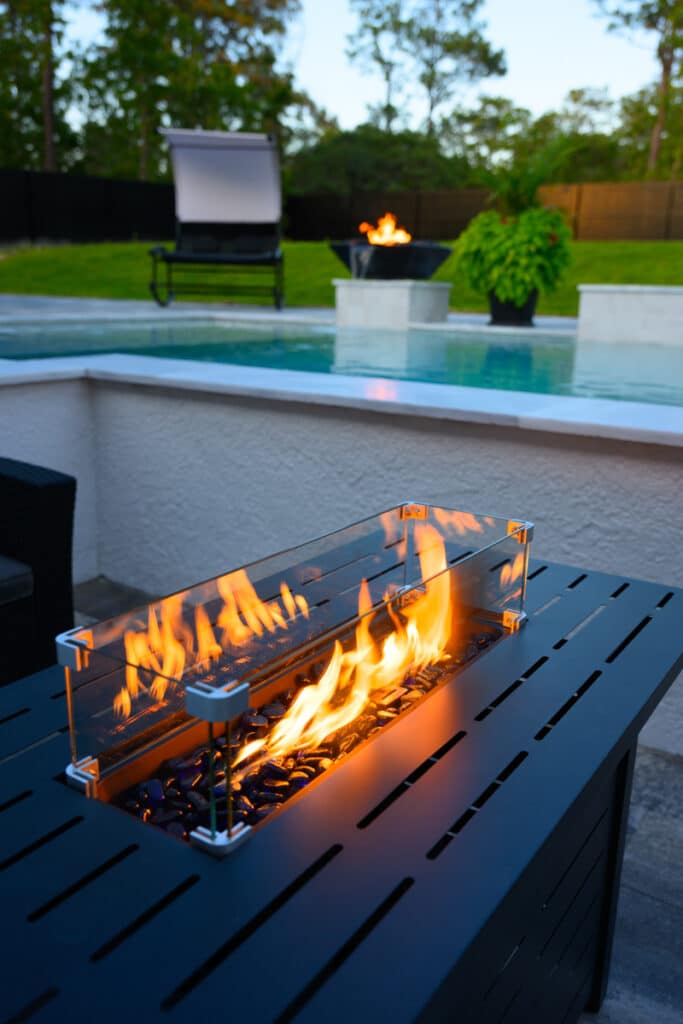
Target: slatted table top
(363, 891)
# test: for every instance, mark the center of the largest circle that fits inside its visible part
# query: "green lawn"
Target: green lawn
(121, 271)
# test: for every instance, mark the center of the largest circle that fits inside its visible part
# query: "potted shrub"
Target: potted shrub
(513, 252)
(512, 258)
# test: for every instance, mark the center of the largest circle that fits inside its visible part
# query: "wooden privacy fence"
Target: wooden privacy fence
(35, 206)
(636, 210)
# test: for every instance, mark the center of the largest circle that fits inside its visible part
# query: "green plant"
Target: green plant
(513, 256)
(514, 188)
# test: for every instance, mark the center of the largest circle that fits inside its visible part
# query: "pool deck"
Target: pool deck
(32, 308)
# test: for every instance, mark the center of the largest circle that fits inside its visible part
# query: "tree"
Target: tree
(586, 111)
(665, 19)
(126, 82)
(448, 45)
(380, 40)
(368, 159)
(583, 136)
(191, 63)
(486, 133)
(638, 113)
(32, 102)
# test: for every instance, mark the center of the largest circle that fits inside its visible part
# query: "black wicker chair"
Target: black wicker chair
(36, 532)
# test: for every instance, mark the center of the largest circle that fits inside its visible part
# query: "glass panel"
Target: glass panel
(307, 606)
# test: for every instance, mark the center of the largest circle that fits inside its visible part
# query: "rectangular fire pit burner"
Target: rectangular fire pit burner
(206, 712)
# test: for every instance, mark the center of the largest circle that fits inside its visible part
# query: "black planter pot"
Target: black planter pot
(506, 314)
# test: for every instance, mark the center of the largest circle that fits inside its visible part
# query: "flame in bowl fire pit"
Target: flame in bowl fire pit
(386, 232)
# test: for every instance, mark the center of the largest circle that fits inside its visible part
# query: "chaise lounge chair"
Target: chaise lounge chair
(228, 208)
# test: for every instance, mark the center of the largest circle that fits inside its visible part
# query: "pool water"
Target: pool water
(528, 361)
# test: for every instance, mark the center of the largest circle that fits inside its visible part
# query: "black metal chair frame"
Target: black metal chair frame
(201, 249)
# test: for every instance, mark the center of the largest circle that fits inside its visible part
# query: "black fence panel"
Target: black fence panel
(16, 214)
(426, 215)
(313, 218)
(37, 206)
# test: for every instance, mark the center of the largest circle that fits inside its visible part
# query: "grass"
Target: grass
(121, 271)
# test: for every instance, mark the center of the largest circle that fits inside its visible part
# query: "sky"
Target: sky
(552, 46)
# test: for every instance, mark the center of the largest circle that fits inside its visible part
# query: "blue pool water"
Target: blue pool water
(528, 361)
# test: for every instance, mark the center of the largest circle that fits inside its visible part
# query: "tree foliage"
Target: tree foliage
(487, 132)
(437, 43)
(190, 63)
(369, 159)
(33, 101)
(448, 45)
(380, 41)
(195, 63)
(215, 64)
(665, 19)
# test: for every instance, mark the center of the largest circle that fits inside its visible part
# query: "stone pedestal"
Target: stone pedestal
(392, 304)
(631, 313)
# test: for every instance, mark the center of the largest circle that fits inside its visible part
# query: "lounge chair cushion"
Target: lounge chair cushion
(234, 258)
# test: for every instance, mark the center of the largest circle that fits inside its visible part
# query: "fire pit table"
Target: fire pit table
(462, 864)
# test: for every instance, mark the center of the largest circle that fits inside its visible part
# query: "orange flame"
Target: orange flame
(165, 650)
(460, 523)
(421, 636)
(512, 571)
(509, 574)
(386, 232)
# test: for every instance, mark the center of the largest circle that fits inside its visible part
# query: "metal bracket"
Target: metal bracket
(71, 652)
(525, 535)
(84, 775)
(514, 620)
(221, 844)
(413, 510)
(213, 704)
(408, 594)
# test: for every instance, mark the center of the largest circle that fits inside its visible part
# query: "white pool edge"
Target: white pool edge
(137, 311)
(587, 417)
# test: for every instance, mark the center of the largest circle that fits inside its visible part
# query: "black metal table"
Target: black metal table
(464, 865)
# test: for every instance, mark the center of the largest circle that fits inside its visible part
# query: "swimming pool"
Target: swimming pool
(532, 362)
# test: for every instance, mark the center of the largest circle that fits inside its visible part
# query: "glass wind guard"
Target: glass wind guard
(250, 630)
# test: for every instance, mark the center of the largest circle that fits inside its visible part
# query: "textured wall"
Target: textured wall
(191, 484)
(51, 424)
(174, 486)
(645, 314)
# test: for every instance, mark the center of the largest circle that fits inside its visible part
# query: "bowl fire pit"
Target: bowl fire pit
(389, 255)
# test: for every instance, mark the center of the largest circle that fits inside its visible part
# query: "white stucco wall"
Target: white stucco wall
(51, 424)
(176, 484)
(631, 313)
(191, 484)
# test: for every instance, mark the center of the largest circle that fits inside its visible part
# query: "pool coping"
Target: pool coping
(585, 417)
(26, 310)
